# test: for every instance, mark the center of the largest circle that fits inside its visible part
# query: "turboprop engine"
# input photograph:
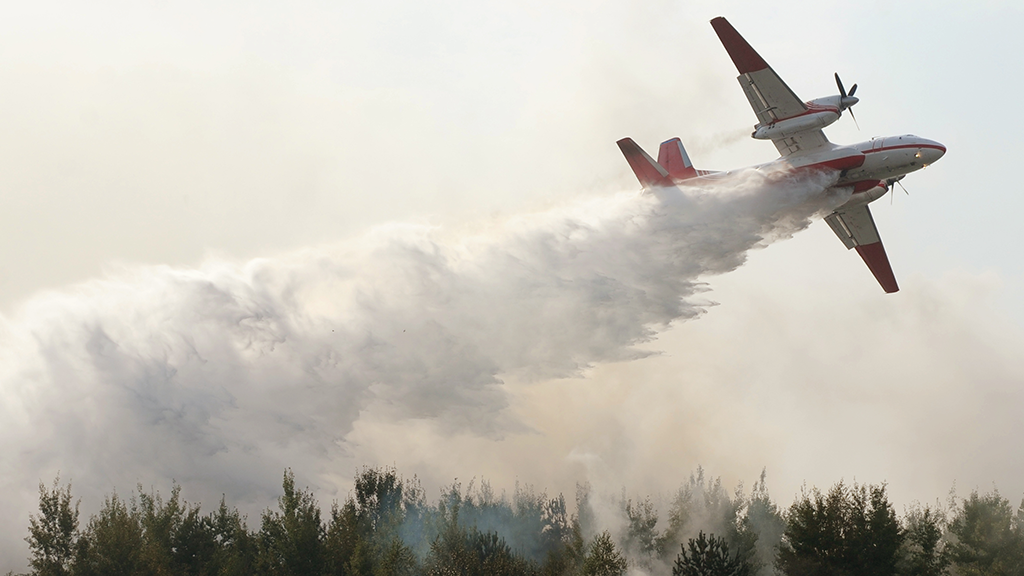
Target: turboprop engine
(785, 128)
(820, 113)
(867, 191)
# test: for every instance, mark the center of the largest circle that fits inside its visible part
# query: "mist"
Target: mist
(222, 376)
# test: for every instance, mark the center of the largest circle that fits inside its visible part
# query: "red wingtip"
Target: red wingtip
(743, 56)
(874, 256)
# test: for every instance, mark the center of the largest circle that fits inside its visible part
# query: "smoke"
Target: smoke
(714, 142)
(221, 376)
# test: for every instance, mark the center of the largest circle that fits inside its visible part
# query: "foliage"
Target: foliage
(704, 504)
(641, 535)
(603, 559)
(752, 527)
(113, 542)
(923, 548)
(53, 534)
(458, 551)
(761, 529)
(849, 531)
(708, 556)
(386, 527)
(988, 539)
(289, 541)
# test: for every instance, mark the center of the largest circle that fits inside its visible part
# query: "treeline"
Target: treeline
(387, 527)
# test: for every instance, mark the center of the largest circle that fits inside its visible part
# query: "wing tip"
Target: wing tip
(742, 53)
(874, 256)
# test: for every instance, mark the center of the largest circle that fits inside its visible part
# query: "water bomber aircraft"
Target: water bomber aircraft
(870, 168)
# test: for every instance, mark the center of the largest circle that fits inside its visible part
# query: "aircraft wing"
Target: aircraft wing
(856, 228)
(770, 97)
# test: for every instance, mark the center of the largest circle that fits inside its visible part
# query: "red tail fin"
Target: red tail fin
(648, 172)
(673, 157)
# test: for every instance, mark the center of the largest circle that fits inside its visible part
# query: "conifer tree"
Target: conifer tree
(988, 538)
(603, 559)
(923, 552)
(849, 531)
(290, 540)
(708, 556)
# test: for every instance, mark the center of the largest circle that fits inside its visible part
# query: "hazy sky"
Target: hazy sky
(150, 151)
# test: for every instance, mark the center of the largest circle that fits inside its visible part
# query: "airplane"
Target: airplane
(870, 168)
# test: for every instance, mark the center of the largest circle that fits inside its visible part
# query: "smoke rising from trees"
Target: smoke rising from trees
(387, 526)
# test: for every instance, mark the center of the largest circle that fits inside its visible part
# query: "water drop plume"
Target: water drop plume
(223, 375)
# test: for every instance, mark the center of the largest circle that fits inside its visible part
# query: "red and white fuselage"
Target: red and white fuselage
(866, 166)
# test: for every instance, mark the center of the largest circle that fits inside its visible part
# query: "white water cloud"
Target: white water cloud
(222, 376)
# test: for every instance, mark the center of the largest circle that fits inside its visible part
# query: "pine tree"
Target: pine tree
(641, 534)
(290, 540)
(850, 531)
(235, 546)
(603, 559)
(923, 547)
(708, 556)
(988, 540)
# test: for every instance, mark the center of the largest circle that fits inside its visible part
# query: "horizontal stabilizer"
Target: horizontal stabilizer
(648, 172)
(673, 157)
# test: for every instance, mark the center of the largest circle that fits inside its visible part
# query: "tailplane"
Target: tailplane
(673, 165)
(651, 174)
(673, 157)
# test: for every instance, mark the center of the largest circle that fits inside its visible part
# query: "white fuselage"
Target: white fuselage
(866, 166)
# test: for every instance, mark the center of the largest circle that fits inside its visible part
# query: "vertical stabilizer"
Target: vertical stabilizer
(673, 157)
(650, 173)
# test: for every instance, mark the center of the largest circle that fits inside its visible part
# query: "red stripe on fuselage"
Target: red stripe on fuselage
(888, 148)
(844, 163)
(815, 109)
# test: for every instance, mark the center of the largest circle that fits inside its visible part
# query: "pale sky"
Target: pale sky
(203, 135)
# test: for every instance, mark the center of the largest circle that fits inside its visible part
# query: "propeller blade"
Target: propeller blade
(891, 184)
(839, 83)
(857, 124)
(853, 89)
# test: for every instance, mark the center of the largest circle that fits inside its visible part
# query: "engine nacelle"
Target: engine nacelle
(866, 191)
(790, 126)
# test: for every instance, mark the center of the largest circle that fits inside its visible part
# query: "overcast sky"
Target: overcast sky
(168, 168)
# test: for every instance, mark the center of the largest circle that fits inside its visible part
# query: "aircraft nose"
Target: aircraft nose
(932, 151)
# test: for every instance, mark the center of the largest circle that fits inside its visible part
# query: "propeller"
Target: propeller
(847, 100)
(890, 184)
